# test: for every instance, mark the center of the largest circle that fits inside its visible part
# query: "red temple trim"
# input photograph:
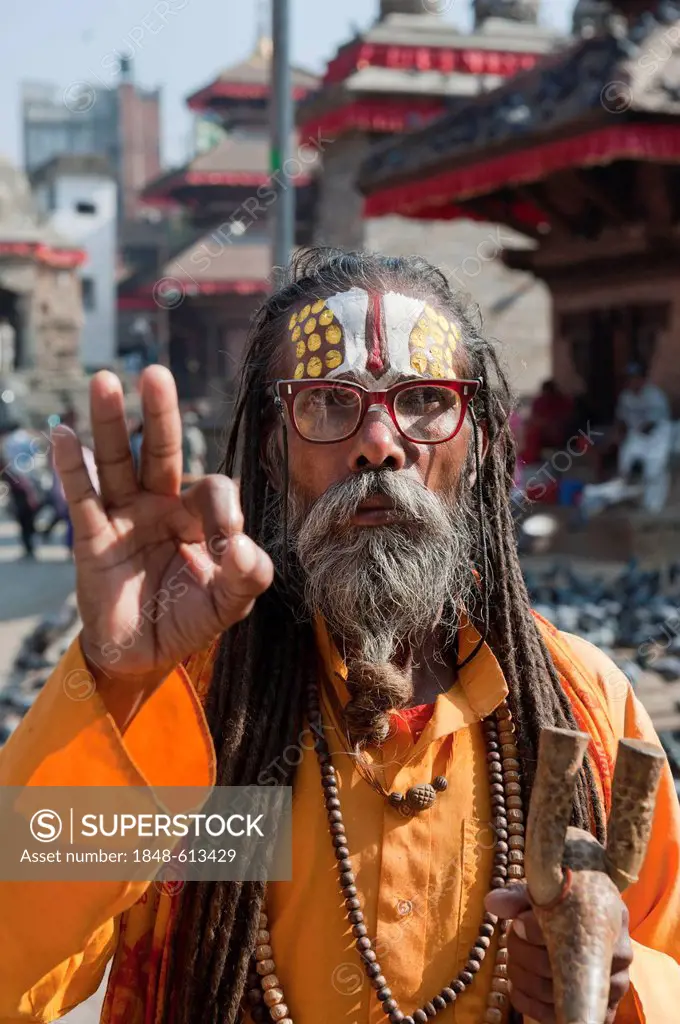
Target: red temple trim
(426, 58)
(218, 90)
(425, 196)
(227, 288)
(143, 297)
(375, 116)
(225, 178)
(63, 259)
(161, 190)
(136, 303)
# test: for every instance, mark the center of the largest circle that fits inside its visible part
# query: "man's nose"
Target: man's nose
(377, 444)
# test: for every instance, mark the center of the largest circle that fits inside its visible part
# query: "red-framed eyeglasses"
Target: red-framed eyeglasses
(423, 411)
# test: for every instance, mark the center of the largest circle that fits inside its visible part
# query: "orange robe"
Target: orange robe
(422, 880)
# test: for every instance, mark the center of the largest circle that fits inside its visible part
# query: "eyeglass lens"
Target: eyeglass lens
(424, 412)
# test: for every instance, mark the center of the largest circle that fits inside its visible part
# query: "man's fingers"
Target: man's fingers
(514, 903)
(245, 573)
(162, 441)
(242, 570)
(527, 928)
(533, 1009)
(529, 970)
(85, 508)
(619, 985)
(621, 961)
(215, 501)
(623, 951)
(623, 954)
(507, 903)
(530, 957)
(117, 479)
(533, 985)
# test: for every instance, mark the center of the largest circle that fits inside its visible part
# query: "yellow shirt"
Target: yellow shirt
(422, 880)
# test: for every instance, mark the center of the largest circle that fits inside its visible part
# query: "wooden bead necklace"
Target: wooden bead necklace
(264, 991)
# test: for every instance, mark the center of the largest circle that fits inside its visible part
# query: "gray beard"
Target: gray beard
(381, 589)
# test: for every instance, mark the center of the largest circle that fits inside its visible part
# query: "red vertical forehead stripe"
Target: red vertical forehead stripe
(378, 360)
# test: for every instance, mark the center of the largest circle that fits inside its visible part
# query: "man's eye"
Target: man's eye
(343, 397)
(328, 398)
(421, 398)
(431, 396)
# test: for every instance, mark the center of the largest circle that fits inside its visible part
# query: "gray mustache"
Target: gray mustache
(410, 498)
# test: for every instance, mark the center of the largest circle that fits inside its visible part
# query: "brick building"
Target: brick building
(139, 160)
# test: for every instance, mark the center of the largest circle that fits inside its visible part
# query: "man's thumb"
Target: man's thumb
(508, 903)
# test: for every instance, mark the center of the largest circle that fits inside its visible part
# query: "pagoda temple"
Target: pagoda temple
(219, 268)
(581, 156)
(406, 71)
(40, 294)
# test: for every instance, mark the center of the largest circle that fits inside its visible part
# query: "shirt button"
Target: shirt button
(404, 907)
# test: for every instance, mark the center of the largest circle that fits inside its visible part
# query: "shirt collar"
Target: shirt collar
(478, 691)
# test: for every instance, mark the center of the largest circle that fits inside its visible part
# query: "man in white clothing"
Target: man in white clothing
(644, 418)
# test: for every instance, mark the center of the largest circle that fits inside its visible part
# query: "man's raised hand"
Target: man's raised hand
(159, 573)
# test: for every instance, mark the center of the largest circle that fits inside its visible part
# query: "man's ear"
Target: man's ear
(483, 442)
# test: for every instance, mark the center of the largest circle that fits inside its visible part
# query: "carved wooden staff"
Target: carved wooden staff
(573, 881)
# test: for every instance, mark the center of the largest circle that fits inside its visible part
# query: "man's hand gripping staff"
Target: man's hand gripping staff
(571, 903)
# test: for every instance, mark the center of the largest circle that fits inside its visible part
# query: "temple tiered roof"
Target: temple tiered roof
(410, 66)
(554, 146)
(240, 160)
(246, 85)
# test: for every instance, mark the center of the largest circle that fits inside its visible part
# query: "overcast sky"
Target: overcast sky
(177, 44)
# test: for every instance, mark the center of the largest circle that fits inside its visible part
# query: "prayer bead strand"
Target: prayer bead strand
(265, 993)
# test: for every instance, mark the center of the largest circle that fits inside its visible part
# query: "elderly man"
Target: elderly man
(364, 582)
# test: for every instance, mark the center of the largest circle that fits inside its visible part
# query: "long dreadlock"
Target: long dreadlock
(255, 706)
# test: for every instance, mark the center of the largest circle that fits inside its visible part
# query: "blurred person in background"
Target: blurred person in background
(58, 504)
(7, 345)
(548, 422)
(136, 439)
(644, 428)
(194, 446)
(18, 472)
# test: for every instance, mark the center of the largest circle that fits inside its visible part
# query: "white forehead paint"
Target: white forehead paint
(351, 310)
(401, 316)
(382, 335)
(402, 313)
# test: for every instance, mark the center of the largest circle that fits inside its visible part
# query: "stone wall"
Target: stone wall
(339, 208)
(515, 306)
(56, 317)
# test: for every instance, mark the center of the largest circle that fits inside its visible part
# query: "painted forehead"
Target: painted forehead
(371, 332)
